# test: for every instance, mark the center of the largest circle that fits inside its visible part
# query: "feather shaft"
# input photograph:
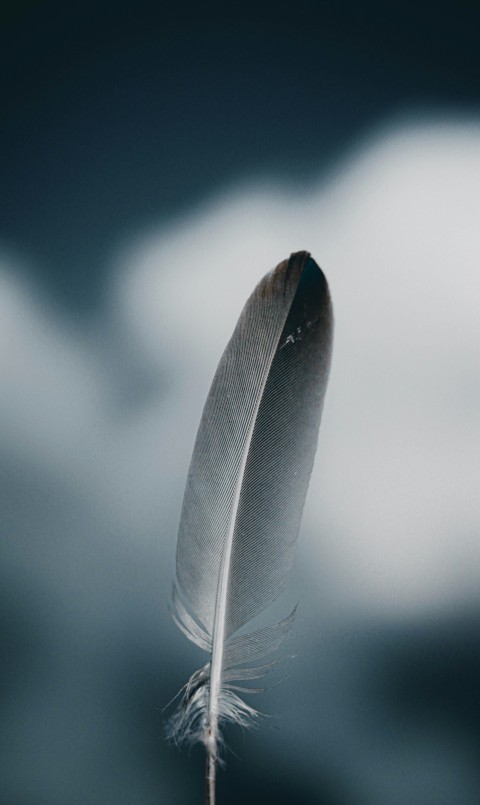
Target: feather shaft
(220, 609)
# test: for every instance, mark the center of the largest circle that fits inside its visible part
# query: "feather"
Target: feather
(246, 488)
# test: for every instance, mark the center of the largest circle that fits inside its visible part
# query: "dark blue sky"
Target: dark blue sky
(117, 115)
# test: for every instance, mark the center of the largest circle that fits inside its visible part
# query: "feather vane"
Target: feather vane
(245, 491)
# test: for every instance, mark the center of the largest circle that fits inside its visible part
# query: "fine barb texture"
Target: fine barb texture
(245, 491)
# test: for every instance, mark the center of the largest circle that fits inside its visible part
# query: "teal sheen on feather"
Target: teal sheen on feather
(244, 496)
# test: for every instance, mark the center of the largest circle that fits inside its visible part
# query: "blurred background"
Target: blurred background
(156, 160)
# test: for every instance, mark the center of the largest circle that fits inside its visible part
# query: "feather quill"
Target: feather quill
(245, 492)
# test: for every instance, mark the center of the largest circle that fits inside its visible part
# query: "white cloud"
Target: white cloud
(393, 511)
(397, 478)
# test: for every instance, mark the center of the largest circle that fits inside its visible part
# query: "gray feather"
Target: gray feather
(248, 478)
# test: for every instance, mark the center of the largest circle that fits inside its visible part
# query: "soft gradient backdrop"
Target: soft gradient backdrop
(155, 161)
